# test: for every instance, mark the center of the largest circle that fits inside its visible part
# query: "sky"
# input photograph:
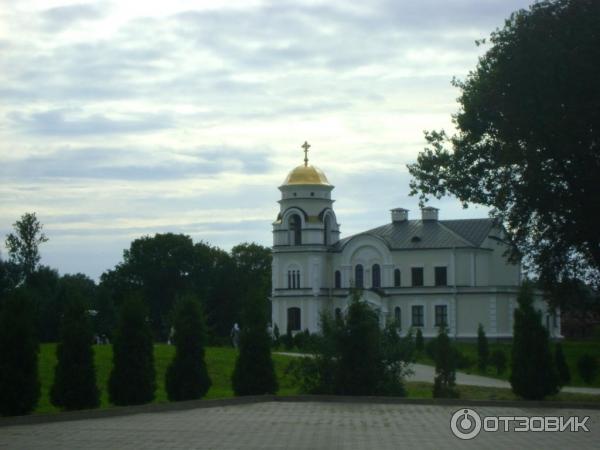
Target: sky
(127, 118)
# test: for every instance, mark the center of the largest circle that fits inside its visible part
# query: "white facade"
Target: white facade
(422, 273)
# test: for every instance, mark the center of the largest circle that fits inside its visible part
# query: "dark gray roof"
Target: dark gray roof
(417, 234)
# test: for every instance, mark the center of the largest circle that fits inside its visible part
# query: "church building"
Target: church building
(423, 272)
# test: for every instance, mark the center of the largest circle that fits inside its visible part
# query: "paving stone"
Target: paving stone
(294, 425)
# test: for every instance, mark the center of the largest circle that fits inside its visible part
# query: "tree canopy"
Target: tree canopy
(528, 137)
(23, 244)
(165, 266)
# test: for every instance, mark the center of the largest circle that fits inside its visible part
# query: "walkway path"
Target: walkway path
(295, 425)
(426, 373)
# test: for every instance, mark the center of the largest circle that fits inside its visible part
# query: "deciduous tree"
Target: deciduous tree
(528, 139)
(23, 244)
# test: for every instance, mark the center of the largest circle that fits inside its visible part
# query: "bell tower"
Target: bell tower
(305, 229)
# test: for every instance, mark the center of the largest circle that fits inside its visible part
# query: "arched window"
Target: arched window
(295, 229)
(293, 319)
(293, 279)
(397, 277)
(358, 276)
(376, 276)
(326, 230)
(338, 279)
(398, 316)
(338, 314)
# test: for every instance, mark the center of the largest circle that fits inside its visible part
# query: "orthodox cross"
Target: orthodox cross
(305, 146)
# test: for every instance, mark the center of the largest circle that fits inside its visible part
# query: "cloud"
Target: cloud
(114, 163)
(118, 119)
(62, 122)
(59, 18)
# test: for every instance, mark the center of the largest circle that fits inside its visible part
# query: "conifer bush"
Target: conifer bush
(187, 376)
(444, 383)
(533, 372)
(353, 356)
(132, 380)
(74, 384)
(19, 382)
(276, 336)
(254, 371)
(562, 369)
(361, 365)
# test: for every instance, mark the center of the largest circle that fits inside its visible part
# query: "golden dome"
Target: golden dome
(306, 175)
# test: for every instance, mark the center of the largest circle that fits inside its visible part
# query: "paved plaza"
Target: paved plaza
(294, 425)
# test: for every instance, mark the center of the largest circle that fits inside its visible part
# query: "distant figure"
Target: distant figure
(97, 339)
(171, 334)
(270, 331)
(235, 335)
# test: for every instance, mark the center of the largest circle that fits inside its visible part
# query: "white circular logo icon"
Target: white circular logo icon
(465, 424)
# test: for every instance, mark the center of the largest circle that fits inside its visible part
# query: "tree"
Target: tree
(9, 278)
(527, 141)
(533, 372)
(562, 369)
(361, 366)
(254, 371)
(276, 336)
(19, 383)
(23, 244)
(132, 380)
(444, 383)
(482, 349)
(160, 268)
(74, 384)
(353, 356)
(187, 376)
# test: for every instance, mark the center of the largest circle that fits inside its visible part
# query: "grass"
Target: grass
(573, 350)
(417, 389)
(220, 362)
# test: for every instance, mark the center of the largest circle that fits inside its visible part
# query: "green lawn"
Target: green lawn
(220, 361)
(416, 389)
(572, 349)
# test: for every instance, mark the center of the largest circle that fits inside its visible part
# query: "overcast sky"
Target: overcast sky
(128, 118)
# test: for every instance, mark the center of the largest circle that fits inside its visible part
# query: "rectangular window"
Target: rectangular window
(417, 316)
(441, 315)
(417, 276)
(397, 278)
(441, 277)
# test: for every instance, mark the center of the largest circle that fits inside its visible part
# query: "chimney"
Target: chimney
(429, 213)
(399, 215)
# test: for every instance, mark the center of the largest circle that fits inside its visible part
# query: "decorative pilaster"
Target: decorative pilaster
(493, 315)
